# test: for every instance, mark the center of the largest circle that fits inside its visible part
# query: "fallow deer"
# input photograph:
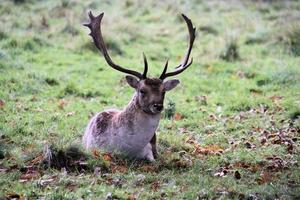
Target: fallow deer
(132, 130)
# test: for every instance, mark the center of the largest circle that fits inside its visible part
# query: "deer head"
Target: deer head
(150, 91)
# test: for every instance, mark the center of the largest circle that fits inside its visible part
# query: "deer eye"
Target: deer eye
(143, 92)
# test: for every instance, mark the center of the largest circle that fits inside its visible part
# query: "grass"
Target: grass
(230, 130)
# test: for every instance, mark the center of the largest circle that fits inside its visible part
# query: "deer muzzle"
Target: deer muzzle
(157, 108)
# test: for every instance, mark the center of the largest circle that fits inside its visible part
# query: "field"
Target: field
(231, 130)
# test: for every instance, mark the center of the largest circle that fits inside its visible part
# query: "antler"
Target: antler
(184, 64)
(95, 27)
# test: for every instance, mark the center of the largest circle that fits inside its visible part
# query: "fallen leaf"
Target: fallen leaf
(147, 168)
(3, 170)
(177, 117)
(222, 172)
(213, 117)
(251, 167)
(38, 159)
(131, 197)
(265, 177)
(209, 149)
(2, 103)
(71, 186)
(61, 104)
(14, 196)
(201, 99)
(95, 153)
(70, 113)
(45, 182)
(90, 115)
(240, 74)
(249, 145)
(107, 157)
(213, 149)
(263, 140)
(118, 182)
(29, 175)
(276, 98)
(155, 185)
(290, 148)
(119, 168)
(38, 110)
(237, 175)
(180, 163)
(275, 164)
(97, 171)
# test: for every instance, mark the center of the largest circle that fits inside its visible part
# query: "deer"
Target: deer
(132, 131)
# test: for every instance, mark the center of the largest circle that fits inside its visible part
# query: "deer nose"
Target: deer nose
(158, 107)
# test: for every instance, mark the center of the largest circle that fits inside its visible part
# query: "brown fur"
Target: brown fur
(155, 84)
(102, 122)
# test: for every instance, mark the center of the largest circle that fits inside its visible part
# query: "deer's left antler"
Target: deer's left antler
(184, 64)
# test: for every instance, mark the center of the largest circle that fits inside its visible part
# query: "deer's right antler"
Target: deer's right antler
(95, 27)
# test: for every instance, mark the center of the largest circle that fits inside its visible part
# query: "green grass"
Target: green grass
(231, 129)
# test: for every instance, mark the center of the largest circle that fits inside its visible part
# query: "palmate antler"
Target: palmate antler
(95, 27)
(184, 64)
(96, 34)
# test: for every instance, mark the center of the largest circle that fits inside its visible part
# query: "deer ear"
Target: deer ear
(169, 85)
(132, 81)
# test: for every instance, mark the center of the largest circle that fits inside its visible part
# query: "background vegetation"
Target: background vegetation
(230, 130)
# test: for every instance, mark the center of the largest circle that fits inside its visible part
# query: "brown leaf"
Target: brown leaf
(38, 159)
(222, 172)
(275, 163)
(265, 177)
(263, 140)
(70, 113)
(290, 148)
(119, 168)
(90, 115)
(213, 117)
(131, 197)
(95, 153)
(276, 98)
(192, 141)
(107, 157)
(29, 175)
(250, 167)
(201, 99)
(2, 103)
(15, 196)
(177, 117)
(155, 185)
(209, 149)
(38, 110)
(213, 149)
(237, 175)
(46, 182)
(71, 186)
(180, 163)
(61, 104)
(240, 74)
(255, 92)
(147, 168)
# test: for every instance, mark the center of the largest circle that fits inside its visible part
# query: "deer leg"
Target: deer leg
(153, 144)
(146, 153)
